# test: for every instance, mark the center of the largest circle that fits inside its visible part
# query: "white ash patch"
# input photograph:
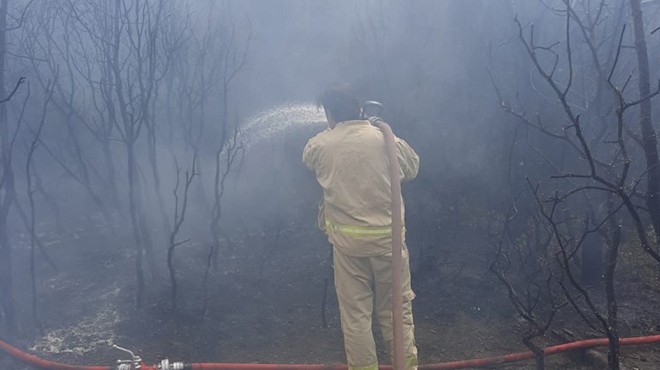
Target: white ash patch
(89, 335)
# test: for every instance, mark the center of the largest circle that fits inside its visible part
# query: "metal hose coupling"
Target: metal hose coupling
(166, 365)
(135, 363)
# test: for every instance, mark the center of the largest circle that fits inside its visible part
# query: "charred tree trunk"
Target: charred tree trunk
(135, 223)
(180, 207)
(611, 257)
(6, 189)
(592, 260)
(30, 193)
(649, 139)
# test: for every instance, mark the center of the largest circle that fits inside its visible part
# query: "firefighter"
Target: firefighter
(352, 167)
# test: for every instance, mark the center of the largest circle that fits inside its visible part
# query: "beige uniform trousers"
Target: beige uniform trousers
(364, 287)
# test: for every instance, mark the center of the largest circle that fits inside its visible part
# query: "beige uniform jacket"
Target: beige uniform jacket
(352, 167)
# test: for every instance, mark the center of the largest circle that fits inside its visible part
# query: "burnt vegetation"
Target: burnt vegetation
(133, 186)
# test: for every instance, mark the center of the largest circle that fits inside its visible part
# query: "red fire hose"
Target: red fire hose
(552, 350)
(488, 361)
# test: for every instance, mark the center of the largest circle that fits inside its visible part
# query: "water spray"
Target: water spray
(274, 121)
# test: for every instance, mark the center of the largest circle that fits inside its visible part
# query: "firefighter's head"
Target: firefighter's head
(340, 104)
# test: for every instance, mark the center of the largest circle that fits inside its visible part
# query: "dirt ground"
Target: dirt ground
(265, 304)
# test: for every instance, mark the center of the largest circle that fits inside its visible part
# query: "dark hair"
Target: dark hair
(341, 103)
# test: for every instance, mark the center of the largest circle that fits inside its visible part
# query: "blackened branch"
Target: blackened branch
(18, 84)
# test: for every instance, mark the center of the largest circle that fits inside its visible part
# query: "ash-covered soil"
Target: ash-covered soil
(265, 299)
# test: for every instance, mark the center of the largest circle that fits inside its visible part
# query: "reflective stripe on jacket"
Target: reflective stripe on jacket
(349, 230)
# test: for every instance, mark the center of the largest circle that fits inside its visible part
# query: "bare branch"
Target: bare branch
(21, 18)
(18, 84)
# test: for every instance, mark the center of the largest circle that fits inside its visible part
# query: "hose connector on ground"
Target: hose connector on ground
(166, 365)
(135, 363)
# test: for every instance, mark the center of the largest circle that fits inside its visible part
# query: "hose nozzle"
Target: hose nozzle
(371, 108)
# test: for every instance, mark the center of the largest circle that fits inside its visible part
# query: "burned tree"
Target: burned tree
(180, 207)
(7, 181)
(34, 143)
(603, 165)
(649, 140)
(522, 262)
(226, 158)
(234, 53)
(132, 58)
(52, 44)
